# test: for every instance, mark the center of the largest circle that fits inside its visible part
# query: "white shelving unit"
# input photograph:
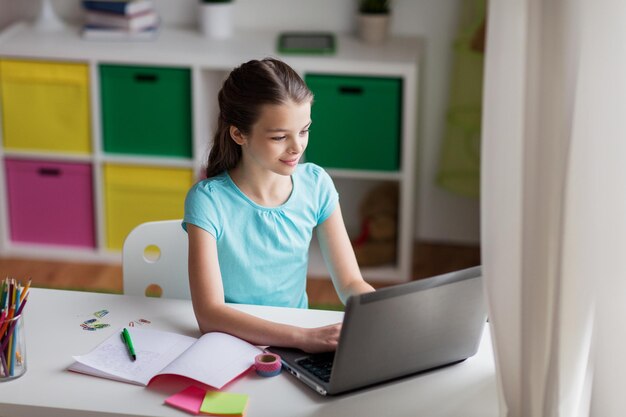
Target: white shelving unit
(210, 62)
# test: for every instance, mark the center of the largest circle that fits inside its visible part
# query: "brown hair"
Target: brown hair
(247, 88)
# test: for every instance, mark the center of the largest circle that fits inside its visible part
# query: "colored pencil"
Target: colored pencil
(9, 316)
(25, 290)
(13, 334)
(3, 293)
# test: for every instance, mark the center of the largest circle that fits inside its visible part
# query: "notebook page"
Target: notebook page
(154, 349)
(215, 359)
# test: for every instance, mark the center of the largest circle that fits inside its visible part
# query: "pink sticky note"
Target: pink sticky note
(189, 400)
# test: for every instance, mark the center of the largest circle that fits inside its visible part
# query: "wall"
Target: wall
(7, 12)
(441, 215)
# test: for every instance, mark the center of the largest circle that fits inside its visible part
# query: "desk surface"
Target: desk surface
(54, 335)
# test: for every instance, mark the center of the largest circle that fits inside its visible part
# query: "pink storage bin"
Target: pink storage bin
(50, 202)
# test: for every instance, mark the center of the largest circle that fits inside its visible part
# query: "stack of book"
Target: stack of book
(120, 20)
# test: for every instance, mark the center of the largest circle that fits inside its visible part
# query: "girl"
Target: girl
(250, 222)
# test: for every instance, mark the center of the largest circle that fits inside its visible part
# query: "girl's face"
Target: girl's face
(278, 139)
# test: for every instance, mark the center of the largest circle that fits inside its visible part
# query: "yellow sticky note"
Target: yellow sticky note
(224, 404)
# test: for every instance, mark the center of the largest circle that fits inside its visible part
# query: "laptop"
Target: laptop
(397, 331)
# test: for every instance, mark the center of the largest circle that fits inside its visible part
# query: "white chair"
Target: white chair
(154, 260)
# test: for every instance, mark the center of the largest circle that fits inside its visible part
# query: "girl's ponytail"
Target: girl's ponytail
(225, 153)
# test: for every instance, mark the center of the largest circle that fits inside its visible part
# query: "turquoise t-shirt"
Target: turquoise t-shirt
(263, 251)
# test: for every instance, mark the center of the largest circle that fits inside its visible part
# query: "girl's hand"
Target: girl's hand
(320, 339)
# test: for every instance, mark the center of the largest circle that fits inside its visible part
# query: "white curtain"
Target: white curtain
(553, 205)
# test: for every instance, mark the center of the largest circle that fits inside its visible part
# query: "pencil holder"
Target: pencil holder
(12, 348)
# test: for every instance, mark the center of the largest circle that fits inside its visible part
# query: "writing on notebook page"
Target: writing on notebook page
(115, 360)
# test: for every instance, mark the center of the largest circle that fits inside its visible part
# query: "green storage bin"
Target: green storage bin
(356, 122)
(146, 110)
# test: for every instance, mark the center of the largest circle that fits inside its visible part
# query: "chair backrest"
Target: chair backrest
(155, 255)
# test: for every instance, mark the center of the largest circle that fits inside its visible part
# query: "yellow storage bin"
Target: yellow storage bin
(45, 106)
(138, 194)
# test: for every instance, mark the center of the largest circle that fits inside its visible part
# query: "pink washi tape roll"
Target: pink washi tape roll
(267, 364)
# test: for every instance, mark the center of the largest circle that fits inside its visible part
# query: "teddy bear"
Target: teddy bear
(377, 240)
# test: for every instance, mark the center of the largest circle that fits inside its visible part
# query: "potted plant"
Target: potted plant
(373, 20)
(216, 19)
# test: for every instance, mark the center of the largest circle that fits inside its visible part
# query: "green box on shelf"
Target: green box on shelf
(356, 122)
(146, 110)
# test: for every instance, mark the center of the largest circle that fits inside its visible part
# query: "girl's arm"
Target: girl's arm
(339, 257)
(213, 315)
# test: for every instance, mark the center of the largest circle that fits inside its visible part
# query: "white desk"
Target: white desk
(53, 335)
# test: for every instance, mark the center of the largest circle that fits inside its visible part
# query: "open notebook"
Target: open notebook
(214, 359)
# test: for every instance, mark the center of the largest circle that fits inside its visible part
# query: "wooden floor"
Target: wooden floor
(430, 259)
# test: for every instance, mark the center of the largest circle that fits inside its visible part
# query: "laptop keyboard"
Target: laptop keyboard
(319, 365)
